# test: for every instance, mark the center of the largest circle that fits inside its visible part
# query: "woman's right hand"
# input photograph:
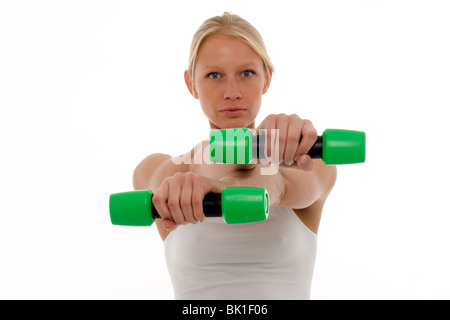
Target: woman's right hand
(179, 199)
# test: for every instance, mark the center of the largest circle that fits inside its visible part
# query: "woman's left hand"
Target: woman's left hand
(290, 129)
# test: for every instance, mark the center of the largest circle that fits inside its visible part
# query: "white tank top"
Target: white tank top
(266, 260)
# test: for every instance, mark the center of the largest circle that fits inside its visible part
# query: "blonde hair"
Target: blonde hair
(232, 25)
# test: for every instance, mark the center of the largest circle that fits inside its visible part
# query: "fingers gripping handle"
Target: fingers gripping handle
(235, 205)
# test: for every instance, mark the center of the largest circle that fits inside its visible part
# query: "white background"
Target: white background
(89, 88)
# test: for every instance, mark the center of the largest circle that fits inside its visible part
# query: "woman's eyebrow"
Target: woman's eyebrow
(244, 66)
(250, 65)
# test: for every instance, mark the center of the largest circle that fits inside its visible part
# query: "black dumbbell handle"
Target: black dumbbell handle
(315, 152)
(212, 206)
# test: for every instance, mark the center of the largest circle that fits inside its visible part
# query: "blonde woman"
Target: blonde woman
(229, 72)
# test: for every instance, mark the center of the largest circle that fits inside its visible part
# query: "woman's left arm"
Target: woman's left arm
(291, 186)
(301, 181)
(304, 188)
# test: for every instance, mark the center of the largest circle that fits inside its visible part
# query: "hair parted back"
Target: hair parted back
(232, 25)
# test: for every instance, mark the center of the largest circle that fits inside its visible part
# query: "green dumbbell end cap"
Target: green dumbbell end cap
(131, 208)
(231, 146)
(244, 204)
(344, 146)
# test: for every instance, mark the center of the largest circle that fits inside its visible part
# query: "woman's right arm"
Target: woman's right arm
(177, 193)
(151, 172)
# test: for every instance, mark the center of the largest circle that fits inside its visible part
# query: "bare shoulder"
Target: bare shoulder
(151, 171)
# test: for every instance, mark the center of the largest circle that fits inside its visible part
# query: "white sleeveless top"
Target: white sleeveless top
(266, 260)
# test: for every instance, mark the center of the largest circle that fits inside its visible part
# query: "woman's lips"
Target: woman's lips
(233, 112)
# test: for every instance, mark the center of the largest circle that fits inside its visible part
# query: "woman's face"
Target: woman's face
(229, 81)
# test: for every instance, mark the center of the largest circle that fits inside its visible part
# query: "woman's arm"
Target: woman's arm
(177, 193)
(304, 188)
(301, 183)
(150, 173)
(291, 186)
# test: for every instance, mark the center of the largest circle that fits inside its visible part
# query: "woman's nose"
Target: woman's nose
(232, 90)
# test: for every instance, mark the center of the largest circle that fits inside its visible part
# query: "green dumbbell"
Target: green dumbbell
(234, 205)
(240, 146)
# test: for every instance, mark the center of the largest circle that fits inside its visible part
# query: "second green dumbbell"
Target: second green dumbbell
(234, 205)
(240, 146)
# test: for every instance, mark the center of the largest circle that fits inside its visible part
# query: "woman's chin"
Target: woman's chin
(233, 123)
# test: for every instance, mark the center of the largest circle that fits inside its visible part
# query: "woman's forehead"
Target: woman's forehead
(225, 49)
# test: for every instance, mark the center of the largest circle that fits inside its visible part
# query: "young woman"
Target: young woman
(229, 72)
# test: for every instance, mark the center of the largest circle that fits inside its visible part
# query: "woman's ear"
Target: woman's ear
(268, 79)
(190, 84)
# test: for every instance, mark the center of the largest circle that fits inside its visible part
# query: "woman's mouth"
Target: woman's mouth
(233, 112)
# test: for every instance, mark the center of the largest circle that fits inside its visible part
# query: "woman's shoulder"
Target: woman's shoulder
(153, 169)
(152, 162)
(155, 158)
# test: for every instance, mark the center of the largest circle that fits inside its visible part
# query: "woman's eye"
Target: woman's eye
(213, 75)
(247, 73)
